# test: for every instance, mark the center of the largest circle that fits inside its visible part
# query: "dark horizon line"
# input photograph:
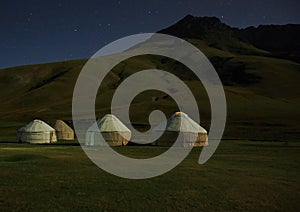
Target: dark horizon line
(194, 16)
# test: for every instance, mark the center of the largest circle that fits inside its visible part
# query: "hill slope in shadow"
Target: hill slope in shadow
(260, 81)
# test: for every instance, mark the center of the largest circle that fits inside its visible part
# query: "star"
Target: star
(75, 30)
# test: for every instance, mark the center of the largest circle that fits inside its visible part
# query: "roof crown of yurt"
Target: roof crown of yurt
(180, 124)
(114, 132)
(36, 131)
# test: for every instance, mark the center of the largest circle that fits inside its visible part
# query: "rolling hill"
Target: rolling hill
(260, 77)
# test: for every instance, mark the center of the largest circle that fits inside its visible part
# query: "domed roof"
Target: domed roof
(109, 123)
(180, 122)
(36, 126)
(62, 126)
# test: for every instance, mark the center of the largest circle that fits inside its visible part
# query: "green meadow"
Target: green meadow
(255, 168)
(243, 176)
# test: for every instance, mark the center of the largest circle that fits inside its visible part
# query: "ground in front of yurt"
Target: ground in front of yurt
(240, 176)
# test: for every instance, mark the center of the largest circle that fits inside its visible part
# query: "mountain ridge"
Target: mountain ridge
(281, 41)
(261, 87)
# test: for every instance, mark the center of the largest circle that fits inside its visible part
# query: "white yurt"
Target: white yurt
(63, 131)
(112, 129)
(181, 123)
(36, 132)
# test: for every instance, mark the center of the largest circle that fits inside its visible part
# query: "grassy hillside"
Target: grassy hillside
(262, 91)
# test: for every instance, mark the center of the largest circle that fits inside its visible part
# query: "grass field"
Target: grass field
(244, 176)
(262, 94)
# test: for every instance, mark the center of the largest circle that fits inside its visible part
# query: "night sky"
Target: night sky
(45, 31)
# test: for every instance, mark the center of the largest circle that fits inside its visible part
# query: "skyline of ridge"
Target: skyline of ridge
(35, 32)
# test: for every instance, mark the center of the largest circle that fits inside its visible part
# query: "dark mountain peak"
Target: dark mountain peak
(200, 20)
(280, 40)
(212, 31)
(187, 18)
(196, 27)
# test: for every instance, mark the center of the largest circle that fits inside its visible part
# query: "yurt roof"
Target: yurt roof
(36, 126)
(62, 126)
(109, 123)
(180, 122)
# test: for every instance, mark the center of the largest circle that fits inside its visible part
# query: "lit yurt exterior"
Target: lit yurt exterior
(190, 131)
(63, 131)
(36, 132)
(112, 129)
